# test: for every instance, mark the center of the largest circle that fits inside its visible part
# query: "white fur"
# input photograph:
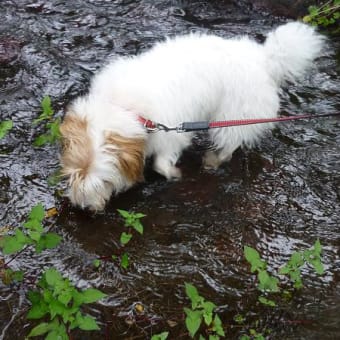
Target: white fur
(191, 78)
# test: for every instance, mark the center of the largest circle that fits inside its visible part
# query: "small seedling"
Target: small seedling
(5, 127)
(202, 310)
(132, 220)
(52, 124)
(59, 299)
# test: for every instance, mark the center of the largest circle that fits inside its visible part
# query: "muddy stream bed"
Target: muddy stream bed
(278, 198)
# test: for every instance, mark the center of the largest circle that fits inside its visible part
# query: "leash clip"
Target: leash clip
(150, 126)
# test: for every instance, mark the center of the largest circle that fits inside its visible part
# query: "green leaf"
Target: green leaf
(244, 337)
(217, 326)
(37, 213)
(138, 227)
(42, 140)
(47, 241)
(38, 310)
(125, 238)
(253, 257)
(15, 243)
(34, 225)
(51, 240)
(47, 110)
(5, 127)
(54, 130)
(192, 293)
(208, 317)
(56, 308)
(124, 262)
(208, 308)
(52, 277)
(296, 260)
(96, 263)
(267, 282)
(87, 323)
(160, 336)
(65, 296)
(58, 331)
(193, 321)
(213, 337)
(267, 302)
(138, 215)
(41, 329)
(124, 213)
(46, 105)
(34, 235)
(318, 267)
(92, 295)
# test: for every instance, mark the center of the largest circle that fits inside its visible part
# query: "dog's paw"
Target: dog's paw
(170, 172)
(174, 174)
(210, 161)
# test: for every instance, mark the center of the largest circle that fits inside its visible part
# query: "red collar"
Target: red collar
(147, 123)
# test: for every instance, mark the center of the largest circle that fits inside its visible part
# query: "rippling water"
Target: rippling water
(279, 197)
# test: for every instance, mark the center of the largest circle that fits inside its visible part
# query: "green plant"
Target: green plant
(292, 268)
(32, 234)
(298, 259)
(52, 125)
(133, 223)
(202, 310)
(5, 127)
(325, 15)
(59, 299)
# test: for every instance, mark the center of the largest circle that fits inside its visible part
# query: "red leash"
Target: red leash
(205, 125)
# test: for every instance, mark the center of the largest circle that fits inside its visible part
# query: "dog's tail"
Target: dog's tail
(290, 50)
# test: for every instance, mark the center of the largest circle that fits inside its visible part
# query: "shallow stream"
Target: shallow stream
(278, 198)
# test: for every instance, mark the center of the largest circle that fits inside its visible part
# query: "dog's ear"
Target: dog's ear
(129, 153)
(77, 154)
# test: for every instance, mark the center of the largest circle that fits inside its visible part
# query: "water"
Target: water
(279, 197)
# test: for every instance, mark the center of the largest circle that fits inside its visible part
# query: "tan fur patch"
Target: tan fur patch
(130, 155)
(77, 154)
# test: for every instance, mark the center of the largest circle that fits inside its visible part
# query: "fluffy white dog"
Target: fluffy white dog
(188, 78)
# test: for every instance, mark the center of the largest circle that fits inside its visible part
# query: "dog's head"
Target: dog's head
(97, 161)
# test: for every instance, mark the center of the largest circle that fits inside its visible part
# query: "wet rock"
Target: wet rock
(287, 8)
(10, 50)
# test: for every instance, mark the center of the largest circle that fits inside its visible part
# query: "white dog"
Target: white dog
(188, 78)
